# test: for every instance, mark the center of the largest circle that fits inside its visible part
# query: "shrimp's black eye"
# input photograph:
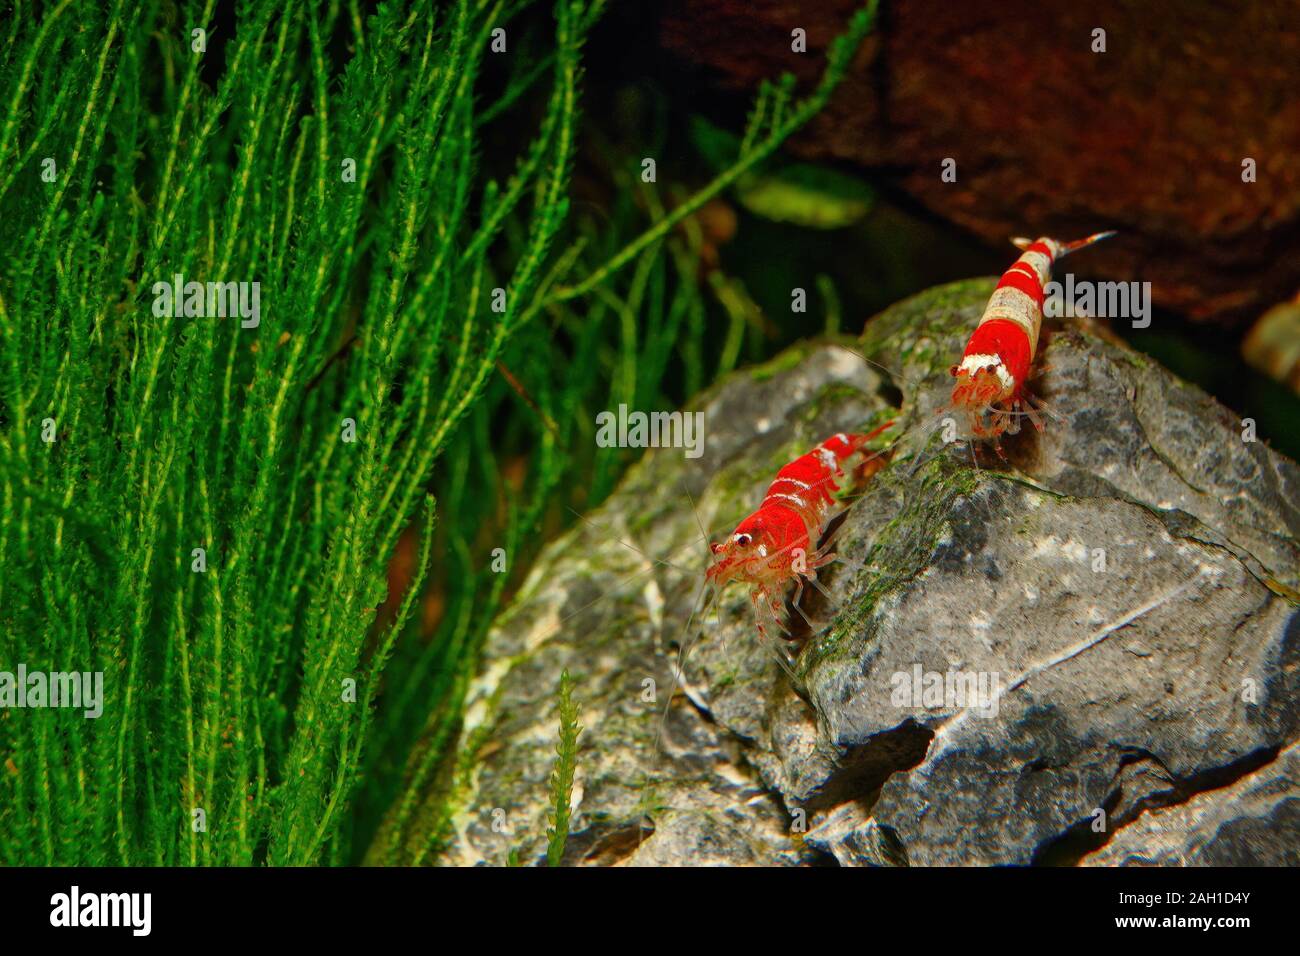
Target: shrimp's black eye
(742, 540)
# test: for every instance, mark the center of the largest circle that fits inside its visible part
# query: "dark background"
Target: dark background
(1049, 137)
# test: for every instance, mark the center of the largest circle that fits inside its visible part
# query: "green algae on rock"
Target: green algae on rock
(1112, 580)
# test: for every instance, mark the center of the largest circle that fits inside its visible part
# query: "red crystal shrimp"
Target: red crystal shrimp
(776, 544)
(992, 373)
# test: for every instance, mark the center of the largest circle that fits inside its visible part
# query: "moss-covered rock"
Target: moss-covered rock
(1117, 598)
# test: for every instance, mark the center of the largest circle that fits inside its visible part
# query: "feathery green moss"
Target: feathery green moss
(235, 518)
(566, 763)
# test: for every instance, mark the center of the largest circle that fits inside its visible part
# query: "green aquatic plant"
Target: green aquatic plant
(266, 288)
(566, 764)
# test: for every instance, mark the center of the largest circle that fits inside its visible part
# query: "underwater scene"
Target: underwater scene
(511, 433)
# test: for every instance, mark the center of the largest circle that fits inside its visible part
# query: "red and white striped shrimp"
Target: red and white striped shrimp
(776, 544)
(995, 366)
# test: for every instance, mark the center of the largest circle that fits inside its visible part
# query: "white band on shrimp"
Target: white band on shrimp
(1040, 264)
(973, 363)
(1009, 303)
(795, 498)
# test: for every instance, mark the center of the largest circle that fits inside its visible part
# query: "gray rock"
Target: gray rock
(1255, 821)
(1118, 599)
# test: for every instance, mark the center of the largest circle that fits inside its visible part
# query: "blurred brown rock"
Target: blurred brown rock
(1148, 137)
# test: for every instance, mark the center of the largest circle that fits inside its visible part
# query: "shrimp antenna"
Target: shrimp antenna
(684, 645)
(631, 547)
(911, 389)
(683, 648)
(892, 373)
